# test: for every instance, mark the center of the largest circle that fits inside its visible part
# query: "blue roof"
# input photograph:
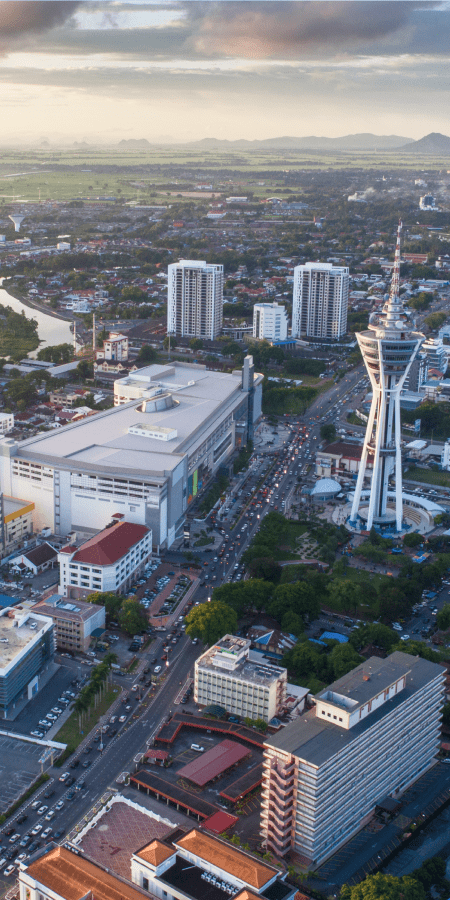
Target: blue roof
(8, 601)
(265, 638)
(334, 636)
(315, 641)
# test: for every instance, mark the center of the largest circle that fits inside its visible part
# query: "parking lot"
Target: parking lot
(19, 767)
(37, 708)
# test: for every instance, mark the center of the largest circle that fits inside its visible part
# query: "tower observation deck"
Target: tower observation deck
(388, 349)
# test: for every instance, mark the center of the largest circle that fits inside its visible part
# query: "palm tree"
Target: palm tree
(80, 706)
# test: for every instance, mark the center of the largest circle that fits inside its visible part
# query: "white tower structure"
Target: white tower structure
(195, 299)
(270, 322)
(17, 220)
(388, 350)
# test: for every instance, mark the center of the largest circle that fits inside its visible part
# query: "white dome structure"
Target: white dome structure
(325, 489)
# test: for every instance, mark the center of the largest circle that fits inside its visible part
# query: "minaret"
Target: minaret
(388, 349)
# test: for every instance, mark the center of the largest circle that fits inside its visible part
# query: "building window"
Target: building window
(145, 883)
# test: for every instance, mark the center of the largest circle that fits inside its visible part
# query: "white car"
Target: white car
(42, 810)
(50, 815)
(37, 829)
(9, 870)
(404, 637)
(157, 669)
(59, 805)
(63, 777)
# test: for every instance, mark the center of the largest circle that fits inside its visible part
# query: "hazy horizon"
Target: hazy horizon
(174, 71)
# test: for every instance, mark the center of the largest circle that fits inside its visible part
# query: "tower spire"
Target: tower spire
(394, 305)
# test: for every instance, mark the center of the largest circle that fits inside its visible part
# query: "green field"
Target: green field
(63, 175)
(428, 476)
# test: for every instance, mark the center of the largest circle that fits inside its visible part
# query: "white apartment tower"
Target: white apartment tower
(371, 734)
(270, 322)
(195, 299)
(320, 301)
(388, 349)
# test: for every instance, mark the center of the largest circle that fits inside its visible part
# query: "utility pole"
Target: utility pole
(93, 332)
(74, 337)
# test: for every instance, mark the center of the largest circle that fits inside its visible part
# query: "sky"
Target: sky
(182, 70)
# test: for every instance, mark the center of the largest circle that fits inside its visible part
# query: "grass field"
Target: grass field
(91, 173)
(69, 733)
(428, 476)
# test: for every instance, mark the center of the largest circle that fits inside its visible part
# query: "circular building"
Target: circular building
(325, 489)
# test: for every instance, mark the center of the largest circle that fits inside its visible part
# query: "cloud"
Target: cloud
(19, 18)
(283, 29)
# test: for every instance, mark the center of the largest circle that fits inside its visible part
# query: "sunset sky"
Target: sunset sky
(184, 70)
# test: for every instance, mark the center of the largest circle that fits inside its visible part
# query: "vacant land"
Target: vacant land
(428, 476)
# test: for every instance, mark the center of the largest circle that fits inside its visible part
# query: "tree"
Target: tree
(146, 354)
(132, 617)
(58, 353)
(345, 595)
(379, 635)
(196, 344)
(343, 659)
(413, 539)
(384, 887)
(328, 432)
(111, 601)
(169, 341)
(443, 617)
(264, 568)
(210, 621)
(244, 595)
(85, 369)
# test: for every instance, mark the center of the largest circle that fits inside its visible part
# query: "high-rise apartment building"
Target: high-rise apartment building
(270, 322)
(195, 299)
(320, 301)
(371, 734)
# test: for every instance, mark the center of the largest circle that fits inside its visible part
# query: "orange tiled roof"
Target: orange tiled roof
(247, 895)
(72, 877)
(237, 863)
(155, 853)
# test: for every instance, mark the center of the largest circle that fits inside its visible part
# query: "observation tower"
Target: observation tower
(388, 349)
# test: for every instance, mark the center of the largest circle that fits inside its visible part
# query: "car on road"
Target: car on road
(74, 764)
(37, 829)
(47, 832)
(59, 804)
(71, 794)
(14, 837)
(58, 834)
(157, 669)
(37, 734)
(25, 840)
(42, 809)
(20, 858)
(62, 777)
(22, 818)
(50, 815)
(122, 718)
(9, 870)
(86, 764)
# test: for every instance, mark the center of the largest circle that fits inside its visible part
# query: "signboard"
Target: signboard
(417, 424)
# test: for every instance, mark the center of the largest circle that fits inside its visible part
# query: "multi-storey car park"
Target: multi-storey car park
(172, 428)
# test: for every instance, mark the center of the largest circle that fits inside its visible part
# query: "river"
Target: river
(50, 329)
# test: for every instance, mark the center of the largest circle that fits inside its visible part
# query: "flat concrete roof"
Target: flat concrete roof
(15, 636)
(203, 399)
(317, 740)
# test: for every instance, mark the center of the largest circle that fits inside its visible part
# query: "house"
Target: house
(37, 560)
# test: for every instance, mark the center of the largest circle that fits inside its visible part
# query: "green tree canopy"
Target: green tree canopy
(413, 539)
(132, 616)
(111, 601)
(443, 617)
(210, 621)
(377, 634)
(384, 887)
(328, 432)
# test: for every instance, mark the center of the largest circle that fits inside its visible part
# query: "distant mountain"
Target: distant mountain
(134, 144)
(432, 143)
(349, 142)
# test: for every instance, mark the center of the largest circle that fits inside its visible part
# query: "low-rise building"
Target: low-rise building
(37, 560)
(27, 646)
(60, 874)
(115, 347)
(74, 622)
(324, 773)
(109, 561)
(340, 458)
(225, 676)
(195, 862)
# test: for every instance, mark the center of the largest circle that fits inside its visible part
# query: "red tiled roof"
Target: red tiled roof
(111, 544)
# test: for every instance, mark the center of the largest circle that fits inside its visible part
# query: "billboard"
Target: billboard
(417, 424)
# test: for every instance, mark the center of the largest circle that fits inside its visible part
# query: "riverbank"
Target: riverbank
(52, 328)
(15, 292)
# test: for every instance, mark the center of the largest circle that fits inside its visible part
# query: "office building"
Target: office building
(173, 428)
(388, 349)
(74, 622)
(195, 299)
(270, 322)
(370, 735)
(320, 301)
(225, 676)
(110, 561)
(27, 646)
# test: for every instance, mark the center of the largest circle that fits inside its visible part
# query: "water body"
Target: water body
(50, 329)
